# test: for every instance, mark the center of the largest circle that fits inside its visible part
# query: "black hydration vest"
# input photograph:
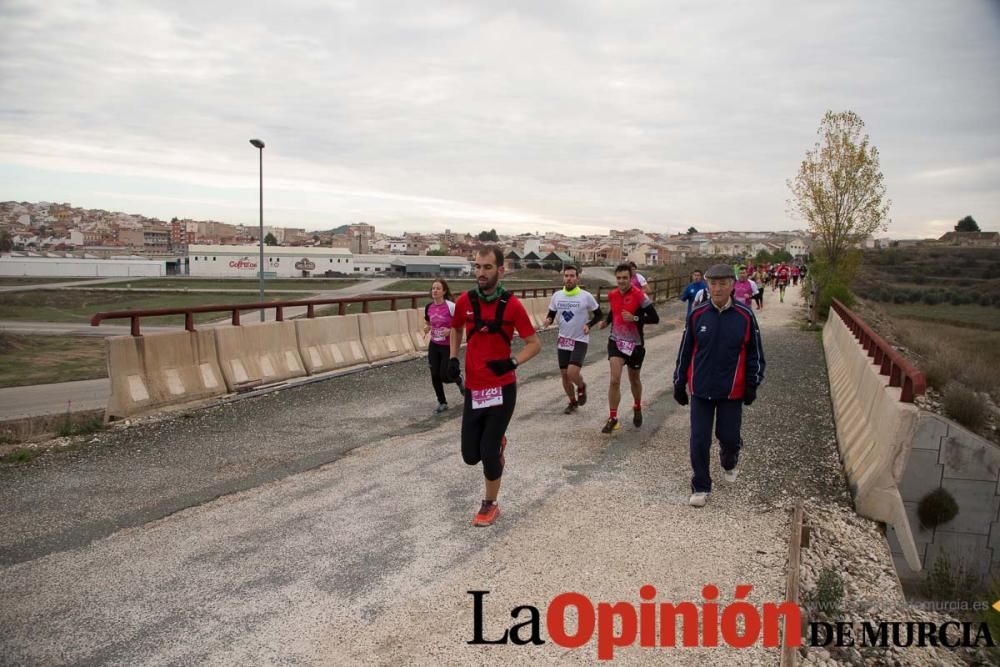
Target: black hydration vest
(494, 326)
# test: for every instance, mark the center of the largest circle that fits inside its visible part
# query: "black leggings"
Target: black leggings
(437, 357)
(483, 429)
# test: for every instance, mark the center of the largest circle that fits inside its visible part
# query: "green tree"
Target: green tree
(6, 241)
(967, 224)
(490, 236)
(437, 253)
(691, 230)
(839, 192)
(762, 257)
(270, 239)
(781, 256)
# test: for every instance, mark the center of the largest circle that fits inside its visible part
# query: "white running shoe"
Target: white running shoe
(698, 499)
(731, 475)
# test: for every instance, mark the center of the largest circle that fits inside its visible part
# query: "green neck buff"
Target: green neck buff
(571, 292)
(497, 293)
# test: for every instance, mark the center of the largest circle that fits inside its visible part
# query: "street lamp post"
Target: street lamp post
(258, 144)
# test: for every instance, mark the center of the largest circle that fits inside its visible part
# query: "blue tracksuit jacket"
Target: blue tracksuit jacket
(720, 352)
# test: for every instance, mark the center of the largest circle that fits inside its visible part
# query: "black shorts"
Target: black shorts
(572, 357)
(483, 431)
(633, 361)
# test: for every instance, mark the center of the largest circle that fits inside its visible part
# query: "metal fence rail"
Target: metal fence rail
(660, 289)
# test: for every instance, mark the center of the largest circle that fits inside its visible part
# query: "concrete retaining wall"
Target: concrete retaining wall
(874, 433)
(386, 335)
(259, 353)
(947, 455)
(160, 369)
(330, 343)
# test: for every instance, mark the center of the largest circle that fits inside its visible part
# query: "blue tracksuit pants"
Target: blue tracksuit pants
(728, 416)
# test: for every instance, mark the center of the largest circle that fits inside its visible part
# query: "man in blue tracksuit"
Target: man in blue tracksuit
(690, 293)
(721, 363)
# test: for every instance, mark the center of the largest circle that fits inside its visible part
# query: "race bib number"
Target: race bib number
(487, 398)
(566, 343)
(439, 333)
(626, 347)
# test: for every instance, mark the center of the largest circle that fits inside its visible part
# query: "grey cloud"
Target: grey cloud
(582, 111)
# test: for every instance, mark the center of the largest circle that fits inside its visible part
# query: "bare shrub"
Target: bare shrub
(944, 365)
(964, 406)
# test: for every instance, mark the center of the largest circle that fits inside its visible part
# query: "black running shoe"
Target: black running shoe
(637, 418)
(581, 395)
(612, 425)
(570, 409)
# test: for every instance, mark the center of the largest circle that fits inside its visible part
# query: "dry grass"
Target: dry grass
(27, 360)
(965, 406)
(948, 353)
(80, 305)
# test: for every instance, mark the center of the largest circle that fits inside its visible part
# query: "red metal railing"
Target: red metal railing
(659, 287)
(891, 363)
(135, 316)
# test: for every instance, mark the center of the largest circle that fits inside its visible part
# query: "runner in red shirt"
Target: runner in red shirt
(629, 310)
(781, 277)
(488, 316)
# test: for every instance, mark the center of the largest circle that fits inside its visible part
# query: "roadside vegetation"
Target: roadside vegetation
(29, 360)
(14, 281)
(24, 439)
(941, 304)
(80, 305)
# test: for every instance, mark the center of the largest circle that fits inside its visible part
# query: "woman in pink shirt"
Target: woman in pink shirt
(744, 288)
(437, 317)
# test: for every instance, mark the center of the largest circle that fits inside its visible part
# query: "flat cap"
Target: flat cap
(720, 271)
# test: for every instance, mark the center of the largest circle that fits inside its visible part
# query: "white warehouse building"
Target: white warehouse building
(81, 267)
(240, 261)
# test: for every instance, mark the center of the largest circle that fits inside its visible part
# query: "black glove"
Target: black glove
(454, 370)
(749, 394)
(501, 366)
(680, 394)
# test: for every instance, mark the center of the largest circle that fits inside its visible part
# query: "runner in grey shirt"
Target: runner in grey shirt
(576, 310)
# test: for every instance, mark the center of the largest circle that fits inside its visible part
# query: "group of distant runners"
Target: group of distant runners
(750, 283)
(719, 364)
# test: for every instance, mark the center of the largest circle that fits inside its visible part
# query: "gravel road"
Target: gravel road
(329, 524)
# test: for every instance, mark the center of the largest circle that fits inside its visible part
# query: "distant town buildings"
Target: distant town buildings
(214, 248)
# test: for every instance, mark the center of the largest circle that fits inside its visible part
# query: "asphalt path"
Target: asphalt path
(329, 524)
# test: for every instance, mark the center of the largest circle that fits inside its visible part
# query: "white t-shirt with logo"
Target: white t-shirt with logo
(573, 312)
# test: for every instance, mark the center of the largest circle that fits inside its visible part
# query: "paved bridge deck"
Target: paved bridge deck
(329, 524)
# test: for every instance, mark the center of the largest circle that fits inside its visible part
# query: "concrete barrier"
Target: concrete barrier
(874, 432)
(155, 370)
(258, 353)
(531, 309)
(540, 308)
(415, 326)
(386, 335)
(330, 343)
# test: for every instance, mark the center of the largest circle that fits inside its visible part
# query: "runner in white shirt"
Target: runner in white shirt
(572, 306)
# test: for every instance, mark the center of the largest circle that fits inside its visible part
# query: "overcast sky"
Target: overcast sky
(538, 115)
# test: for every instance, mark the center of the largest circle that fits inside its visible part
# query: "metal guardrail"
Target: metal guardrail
(891, 363)
(659, 287)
